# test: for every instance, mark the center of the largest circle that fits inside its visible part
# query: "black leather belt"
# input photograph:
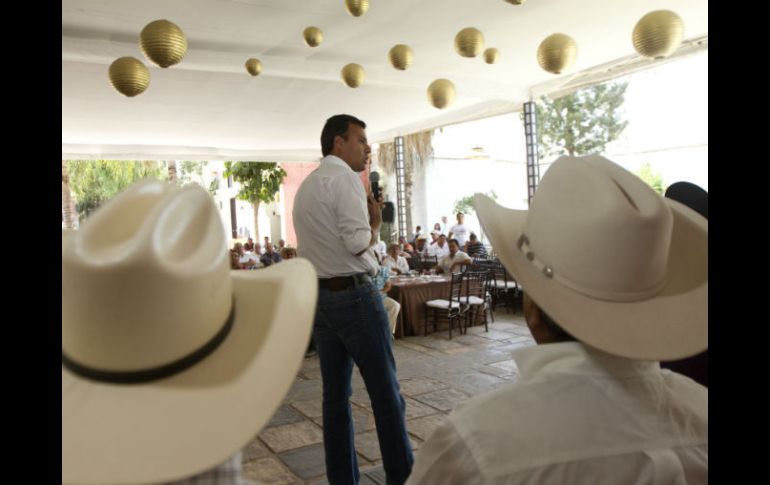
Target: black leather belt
(339, 283)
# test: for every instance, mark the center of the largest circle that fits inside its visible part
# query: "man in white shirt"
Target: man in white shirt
(453, 262)
(440, 248)
(394, 262)
(616, 280)
(336, 225)
(459, 231)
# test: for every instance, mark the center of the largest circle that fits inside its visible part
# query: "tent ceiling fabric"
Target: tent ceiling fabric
(209, 108)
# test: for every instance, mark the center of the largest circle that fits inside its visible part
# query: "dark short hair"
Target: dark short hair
(473, 236)
(460, 214)
(337, 125)
(453, 240)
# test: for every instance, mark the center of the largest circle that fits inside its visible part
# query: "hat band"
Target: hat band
(613, 296)
(155, 373)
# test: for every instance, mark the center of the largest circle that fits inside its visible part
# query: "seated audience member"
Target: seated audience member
(132, 410)
(268, 243)
(257, 249)
(281, 244)
(394, 262)
(440, 249)
(234, 259)
(417, 234)
(419, 246)
(474, 247)
(619, 283)
(454, 261)
(436, 228)
(381, 248)
(245, 261)
(433, 238)
(249, 246)
(697, 199)
(288, 252)
(382, 283)
(406, 249)
(270, 256)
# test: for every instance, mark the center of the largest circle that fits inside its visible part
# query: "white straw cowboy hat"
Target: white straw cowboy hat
(171, 363)
(612, 262)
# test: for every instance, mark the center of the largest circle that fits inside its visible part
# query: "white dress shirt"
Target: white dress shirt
(332, 221)
(438, 251)
(448, 261)
(399, 264)
(577, 416)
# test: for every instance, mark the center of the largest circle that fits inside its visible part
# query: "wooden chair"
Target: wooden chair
(427, 262)
(475, 296)
(451, 308)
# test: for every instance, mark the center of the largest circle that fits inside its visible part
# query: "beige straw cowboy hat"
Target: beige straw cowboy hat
(611, 261)
(171, 363)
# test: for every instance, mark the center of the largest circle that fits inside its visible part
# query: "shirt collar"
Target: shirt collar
(335, 160)
(577, 358)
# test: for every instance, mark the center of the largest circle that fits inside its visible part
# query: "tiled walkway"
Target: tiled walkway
(435, 374)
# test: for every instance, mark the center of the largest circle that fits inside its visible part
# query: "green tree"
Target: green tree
(260, 182)
(191, 172)
(95, 181)
(465, 205)
(652, 178)
(580, 123)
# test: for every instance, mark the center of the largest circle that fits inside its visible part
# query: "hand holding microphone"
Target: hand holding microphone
(388, 209)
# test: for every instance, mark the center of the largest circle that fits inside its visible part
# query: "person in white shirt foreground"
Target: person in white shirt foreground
(616, 279)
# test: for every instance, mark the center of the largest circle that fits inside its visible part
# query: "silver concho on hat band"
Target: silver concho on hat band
(523, 245)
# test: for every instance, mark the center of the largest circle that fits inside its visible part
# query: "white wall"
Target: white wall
(451, 174)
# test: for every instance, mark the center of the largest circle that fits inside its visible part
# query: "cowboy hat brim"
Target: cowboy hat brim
(195, 420)
(670, 325)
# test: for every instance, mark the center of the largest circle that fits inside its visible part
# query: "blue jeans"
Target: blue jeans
(351, 326)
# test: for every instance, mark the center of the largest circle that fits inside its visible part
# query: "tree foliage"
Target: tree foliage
(653, 178)
(191, 172)
(260, 181)
(95, 181)
(580, 123)
(465, 204)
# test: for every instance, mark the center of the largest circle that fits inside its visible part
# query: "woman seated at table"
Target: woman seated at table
(454, 261)
(394, 261)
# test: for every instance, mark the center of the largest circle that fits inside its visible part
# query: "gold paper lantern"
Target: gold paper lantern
(516, 2)
(163, 43)
(353, 75)
(129, 76)
(469, 42)
(491, 55)
(313, 36)
(401, 56)
(557, 53)
(253, 66)
(658, 34)
(357, 8)
(441, 93)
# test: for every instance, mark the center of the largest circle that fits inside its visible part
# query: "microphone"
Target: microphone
(374, 180)
(389, 210)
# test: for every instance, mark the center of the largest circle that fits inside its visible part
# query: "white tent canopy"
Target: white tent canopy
(209, 108)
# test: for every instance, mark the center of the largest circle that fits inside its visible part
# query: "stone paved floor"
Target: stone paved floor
(435, 374)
